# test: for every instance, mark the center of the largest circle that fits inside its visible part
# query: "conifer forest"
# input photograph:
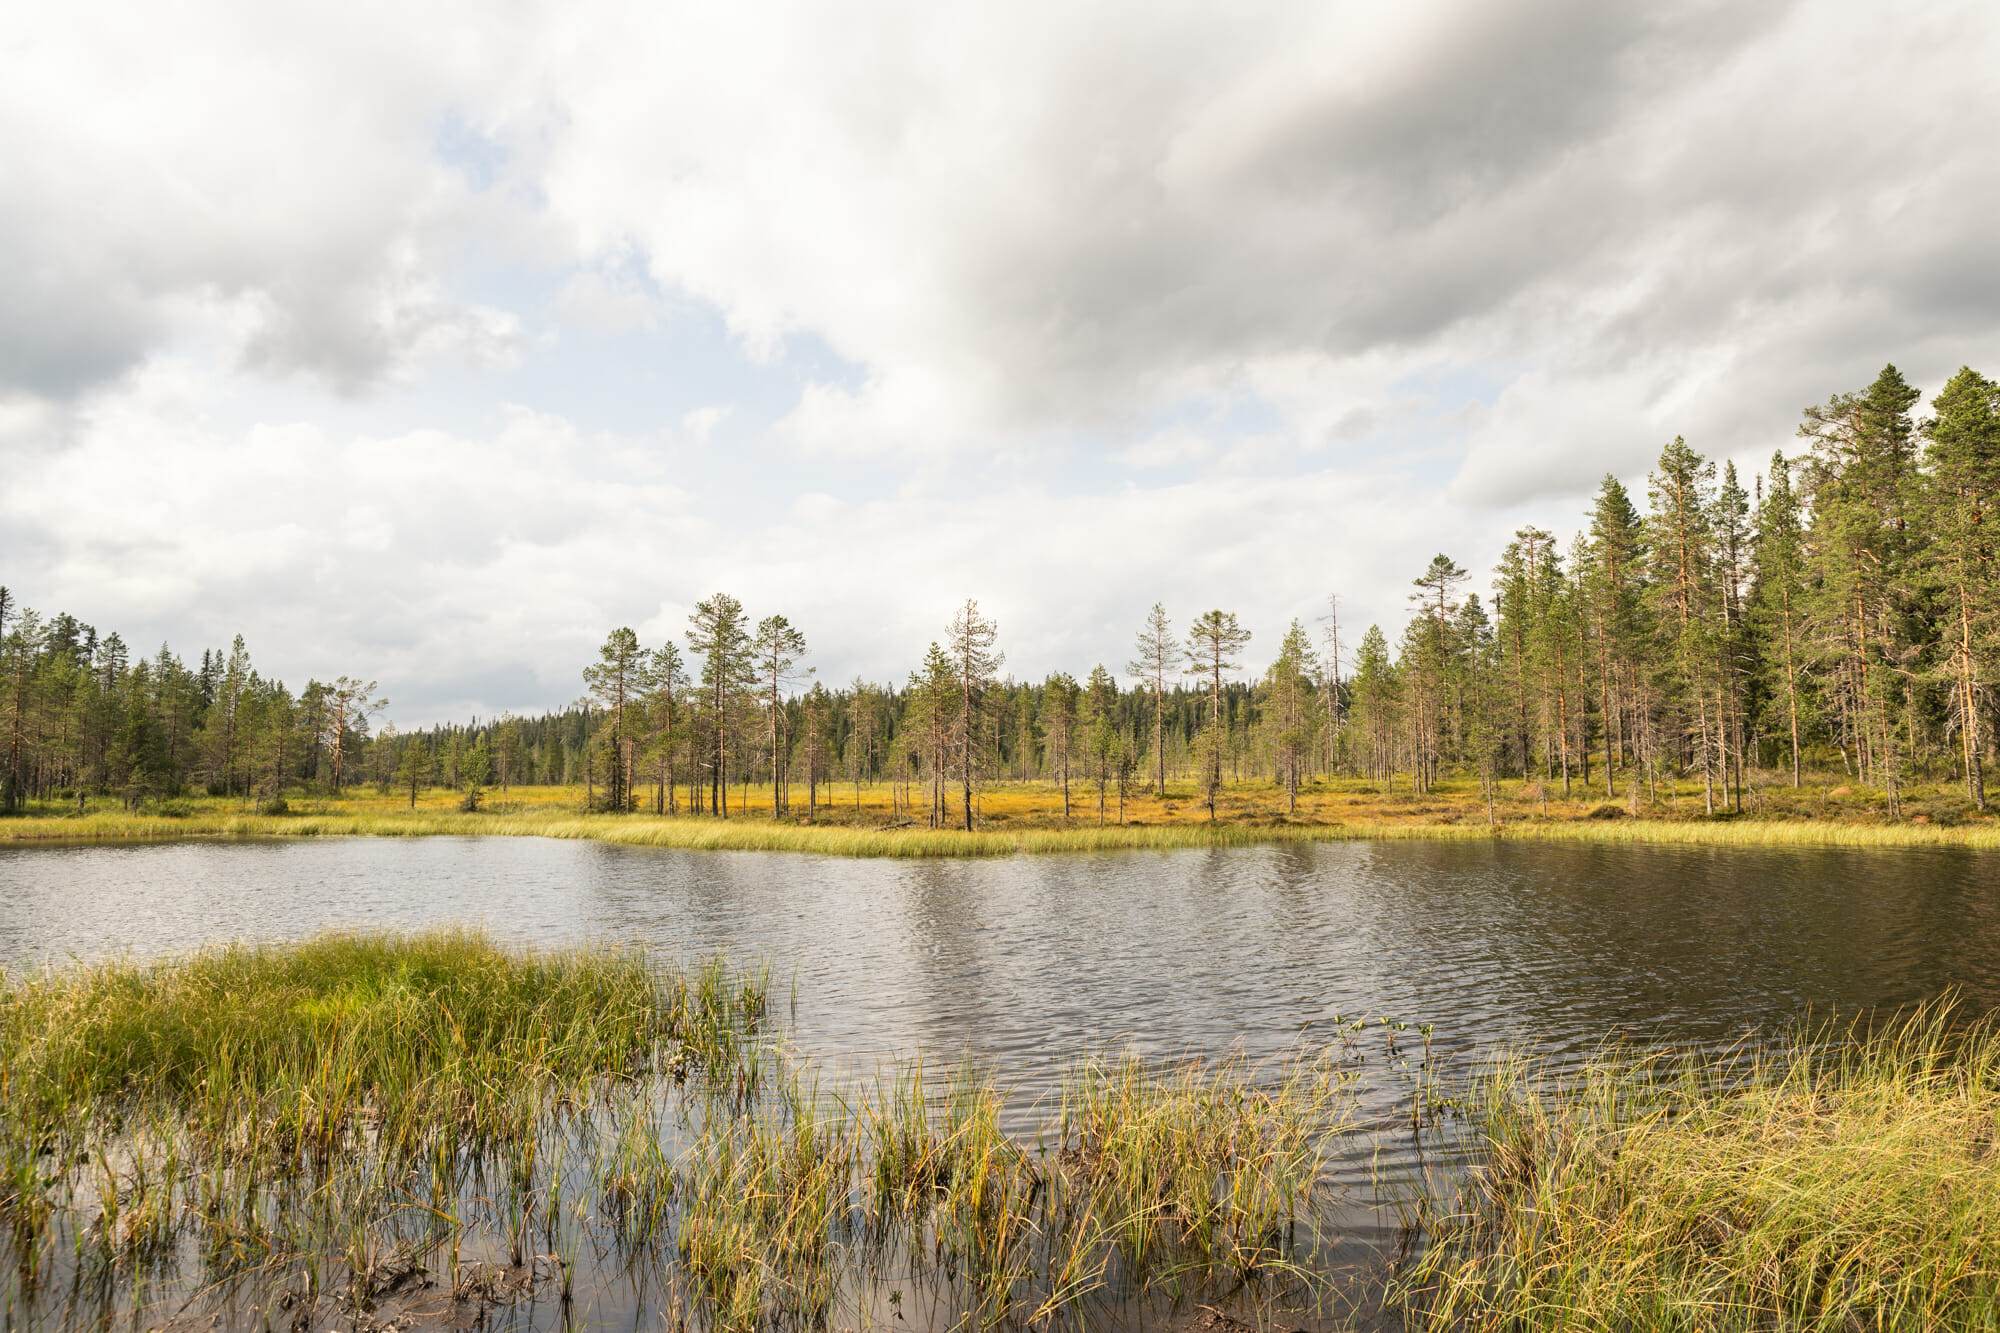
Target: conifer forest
(1835, 613)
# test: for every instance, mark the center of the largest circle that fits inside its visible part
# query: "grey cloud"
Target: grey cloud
(1493, 164)
(228, 175)
(55, 343)
(1501, 92)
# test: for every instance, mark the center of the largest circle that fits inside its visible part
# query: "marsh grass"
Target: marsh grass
(332, 1124)
(1847, 1180)
(1027, 818)
(1147, 1180)
(286, 1106)
(763, 835)
(329, 1125)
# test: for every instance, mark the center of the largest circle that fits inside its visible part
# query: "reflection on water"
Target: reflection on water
(1019, 962)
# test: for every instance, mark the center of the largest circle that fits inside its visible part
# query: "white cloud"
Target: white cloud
(700, 424)
(1071, 308)
(1174, 447)
(475, 572)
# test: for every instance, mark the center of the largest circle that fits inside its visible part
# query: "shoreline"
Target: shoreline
(749, 833)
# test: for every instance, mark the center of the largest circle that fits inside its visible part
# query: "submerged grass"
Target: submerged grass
(1847, 1181)
(328, 1101)
(326, 1124)
(356, 1115)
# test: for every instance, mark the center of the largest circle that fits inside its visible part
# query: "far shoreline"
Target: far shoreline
(753, 832)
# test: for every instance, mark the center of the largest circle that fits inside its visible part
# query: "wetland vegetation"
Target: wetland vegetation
(356, 1129)
(397, 1130)
(1028, 817)
(1845, 1179)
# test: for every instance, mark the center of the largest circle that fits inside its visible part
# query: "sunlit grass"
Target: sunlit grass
(1849, 1181)
(1027, 817)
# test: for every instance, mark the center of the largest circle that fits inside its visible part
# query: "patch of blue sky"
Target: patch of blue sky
(1451, 385)
(479, 156)
(1433, 411)
(644, 385)
(1186, 441)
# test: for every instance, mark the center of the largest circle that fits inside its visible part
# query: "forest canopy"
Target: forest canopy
(1837, 612)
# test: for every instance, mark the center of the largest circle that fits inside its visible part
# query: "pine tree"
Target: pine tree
(615, 680)
(974, 661)
(777, 648)
(662, 686)
(1291, 716)
(1157, 650)
(1613, 605)
(1100, 721)
(413, 769)
(1681, 538)
(1778, 602)
(718, 634)
(1431, 657)
(1863, 480)
(1059, 715)
(1376, 699)
(1213, 642)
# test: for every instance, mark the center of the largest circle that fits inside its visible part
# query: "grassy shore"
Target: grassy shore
(1849, 1181)
(333, 1128)
(393, 1130)
(1028, 817)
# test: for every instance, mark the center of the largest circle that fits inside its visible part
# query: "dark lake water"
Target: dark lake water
(1019, 962)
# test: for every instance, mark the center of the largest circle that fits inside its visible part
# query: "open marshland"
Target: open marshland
(929, 1093)
(1010, 818)
(392, 1131)
(380, 1130)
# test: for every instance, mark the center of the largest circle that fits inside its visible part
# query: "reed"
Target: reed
(1201, 1171)
(1846, 1181)
(328, 1100)
(336, 1118)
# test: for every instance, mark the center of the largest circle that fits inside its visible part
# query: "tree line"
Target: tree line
(81, 715)
(1837, 614)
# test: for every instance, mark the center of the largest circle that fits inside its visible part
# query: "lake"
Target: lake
(1019, 964)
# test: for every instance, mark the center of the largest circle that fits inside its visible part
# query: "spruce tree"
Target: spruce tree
(1964, 458)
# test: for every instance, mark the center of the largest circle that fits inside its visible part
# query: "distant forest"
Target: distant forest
(1837, 615)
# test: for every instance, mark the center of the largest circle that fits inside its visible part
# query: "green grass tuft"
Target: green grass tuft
(1849, 1181)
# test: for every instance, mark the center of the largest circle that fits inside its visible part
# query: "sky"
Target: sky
(428, 344)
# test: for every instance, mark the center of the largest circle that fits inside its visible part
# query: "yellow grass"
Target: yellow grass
(1015, 818)
(1844, 1182)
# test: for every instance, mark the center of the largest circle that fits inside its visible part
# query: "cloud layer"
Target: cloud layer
(437, 341)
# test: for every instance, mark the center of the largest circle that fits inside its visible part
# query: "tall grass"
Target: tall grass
(1848, 1181)
(282, 1104)
(335, 1120)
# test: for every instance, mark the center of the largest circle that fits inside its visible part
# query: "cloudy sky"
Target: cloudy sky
(430, 342)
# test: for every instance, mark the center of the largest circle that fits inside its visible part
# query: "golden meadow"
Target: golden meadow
(1028, 817)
